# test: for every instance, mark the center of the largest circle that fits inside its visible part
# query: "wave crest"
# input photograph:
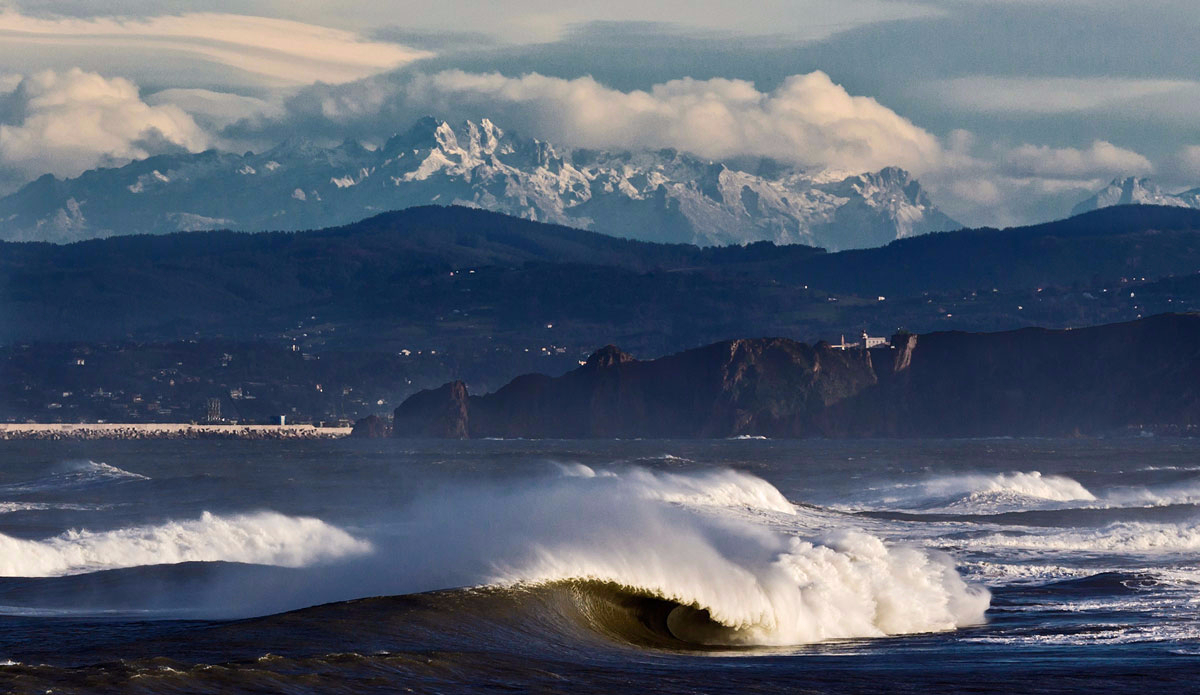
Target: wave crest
(265, 538)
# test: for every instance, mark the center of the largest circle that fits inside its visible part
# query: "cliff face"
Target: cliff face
(1026, 382)
(440, 413)
(1038, 382)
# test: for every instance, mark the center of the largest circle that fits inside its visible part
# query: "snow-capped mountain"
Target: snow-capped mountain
(1135, 191)
(657, 196)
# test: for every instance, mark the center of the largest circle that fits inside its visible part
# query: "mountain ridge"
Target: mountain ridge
(1133, 190)
(662, 195)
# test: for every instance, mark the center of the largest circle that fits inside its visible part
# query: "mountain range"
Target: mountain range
(1132, 190)
(662, 196)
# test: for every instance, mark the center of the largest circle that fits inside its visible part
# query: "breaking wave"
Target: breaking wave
(72, 474)
(712, 546)
(982, 493)
(706, 558)
(264, 538)
(849, 586)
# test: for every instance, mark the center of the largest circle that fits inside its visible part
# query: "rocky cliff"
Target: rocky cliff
(1144, 374)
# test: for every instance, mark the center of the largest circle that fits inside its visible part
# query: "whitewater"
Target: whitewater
(354, 558)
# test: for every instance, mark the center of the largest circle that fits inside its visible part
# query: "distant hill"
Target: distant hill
(406, 277)
(1131, 377)
(371, 312)
(663, 195)
(1137, 191)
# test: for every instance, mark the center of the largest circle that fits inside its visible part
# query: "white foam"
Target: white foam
(265, 538)
(1125, 537)
(10, 507)
(1100, 634)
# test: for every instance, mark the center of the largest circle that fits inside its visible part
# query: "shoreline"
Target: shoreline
(117, 430)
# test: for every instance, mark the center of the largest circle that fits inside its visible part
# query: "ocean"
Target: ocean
(352, 566)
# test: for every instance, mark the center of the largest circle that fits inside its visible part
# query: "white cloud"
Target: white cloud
(66, 123)
(1153, 98)
(1101, 159)
(809, 120)
(278, 52)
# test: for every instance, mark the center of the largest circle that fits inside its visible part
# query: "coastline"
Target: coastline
(116, 430)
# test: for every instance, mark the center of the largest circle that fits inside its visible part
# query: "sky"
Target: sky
(1008, 111)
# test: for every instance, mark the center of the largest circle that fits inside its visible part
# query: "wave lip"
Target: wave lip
(265, 538)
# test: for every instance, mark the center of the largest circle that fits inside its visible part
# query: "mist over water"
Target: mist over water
(569, 552)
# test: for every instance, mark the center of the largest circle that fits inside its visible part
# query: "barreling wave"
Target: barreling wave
(852, 586)
(265, 538)
(660, 539)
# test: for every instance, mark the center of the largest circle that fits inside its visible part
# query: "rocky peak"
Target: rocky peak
(1132, 190)
(608, 356)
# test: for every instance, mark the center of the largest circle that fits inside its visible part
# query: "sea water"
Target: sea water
(559, 566)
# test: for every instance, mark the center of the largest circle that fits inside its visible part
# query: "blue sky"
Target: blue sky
(1009, 111)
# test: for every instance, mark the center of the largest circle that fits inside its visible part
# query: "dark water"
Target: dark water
(730, 566)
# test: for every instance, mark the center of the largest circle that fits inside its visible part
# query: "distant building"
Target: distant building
(866, 341)
(213, 415)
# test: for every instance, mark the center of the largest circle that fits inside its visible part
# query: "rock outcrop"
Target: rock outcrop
(371, 427)
(1143, 375)
(441, 413)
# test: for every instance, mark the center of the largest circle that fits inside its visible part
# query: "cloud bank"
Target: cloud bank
(66, 123)
(809, 120)
(278, 52)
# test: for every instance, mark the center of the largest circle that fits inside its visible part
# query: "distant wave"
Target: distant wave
(1125, 537)
(995, 493)
(978, 493)
(264, 538)
(72, 474)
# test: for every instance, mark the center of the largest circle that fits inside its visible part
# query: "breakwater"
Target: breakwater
(165, 431)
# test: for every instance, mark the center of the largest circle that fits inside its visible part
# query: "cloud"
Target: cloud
(808, 120)
(1188, 163)
(1101, 159)
(216, 110)
(1154, 98)
(66, 123)
(278, 52)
